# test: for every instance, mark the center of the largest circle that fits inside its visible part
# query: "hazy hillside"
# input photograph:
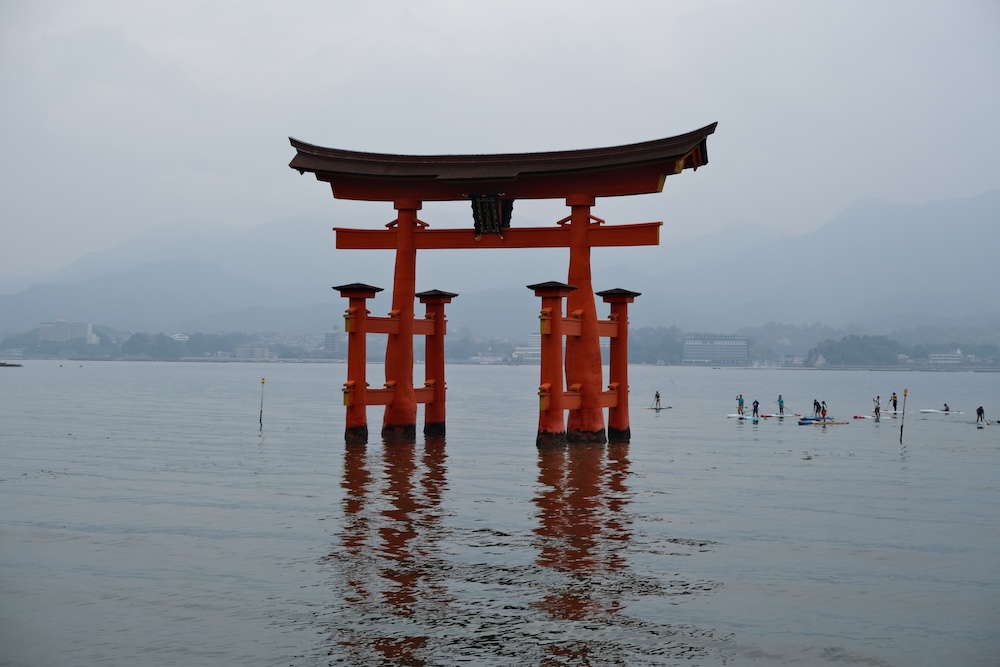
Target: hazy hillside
(876, 263)
(873, 261)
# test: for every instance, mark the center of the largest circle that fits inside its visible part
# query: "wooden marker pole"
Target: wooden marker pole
(905, 391)
(262, 405)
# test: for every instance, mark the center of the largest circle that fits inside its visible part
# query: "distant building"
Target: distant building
(720, 350)
(333, 343)
(532, 354)
(253, 353)
(945, 357)
(62, 331)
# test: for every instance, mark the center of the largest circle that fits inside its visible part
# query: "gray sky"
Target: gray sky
(119, 116)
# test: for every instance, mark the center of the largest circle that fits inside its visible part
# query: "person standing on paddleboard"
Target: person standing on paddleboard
(878, 406)
(756, 405)
(980, 415)
(656, 401)
(781, 405)
(739, 404)
(893, 399)
(823, 410)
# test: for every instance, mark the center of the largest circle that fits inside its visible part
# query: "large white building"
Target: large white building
(253, 353)
(532, 354)
(945, 357)
(62, 331)
(732, 350)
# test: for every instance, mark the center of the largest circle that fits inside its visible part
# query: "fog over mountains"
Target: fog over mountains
(876, 265)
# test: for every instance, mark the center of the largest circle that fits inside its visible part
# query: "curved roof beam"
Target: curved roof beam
(599, 172)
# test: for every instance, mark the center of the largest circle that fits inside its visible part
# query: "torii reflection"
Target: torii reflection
(582, 523)
(391, 525)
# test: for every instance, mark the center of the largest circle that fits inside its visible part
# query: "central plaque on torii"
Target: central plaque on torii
(492, 183)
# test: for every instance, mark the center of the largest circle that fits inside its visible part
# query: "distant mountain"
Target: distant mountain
(873, 260)
(875, 265)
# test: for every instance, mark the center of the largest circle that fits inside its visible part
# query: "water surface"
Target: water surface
(146, 519)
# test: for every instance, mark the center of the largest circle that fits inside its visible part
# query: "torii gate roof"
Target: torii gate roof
(630, 169)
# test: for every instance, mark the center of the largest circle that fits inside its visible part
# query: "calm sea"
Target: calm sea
(145, 519)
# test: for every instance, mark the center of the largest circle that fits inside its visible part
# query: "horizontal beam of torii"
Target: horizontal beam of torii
(598, 236)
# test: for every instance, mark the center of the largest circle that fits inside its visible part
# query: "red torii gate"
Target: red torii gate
(492, 183)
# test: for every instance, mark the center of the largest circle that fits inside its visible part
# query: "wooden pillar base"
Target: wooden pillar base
(435, 430)
(400, 432)
(550, 439)
(356, 435)
(597, 437)
(616, 435)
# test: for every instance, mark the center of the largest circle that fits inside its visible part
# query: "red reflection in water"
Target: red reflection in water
(390, 526)
(582, 524)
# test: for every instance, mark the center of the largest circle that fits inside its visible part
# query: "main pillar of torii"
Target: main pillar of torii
(492, 183)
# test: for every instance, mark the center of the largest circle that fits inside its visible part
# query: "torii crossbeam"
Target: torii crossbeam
(493, 183)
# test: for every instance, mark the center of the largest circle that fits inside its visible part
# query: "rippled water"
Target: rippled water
(145, 520)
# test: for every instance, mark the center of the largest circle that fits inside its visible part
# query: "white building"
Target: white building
(716, 350)
(253, 353)
(532, 354)
(62, 331)
(945, 357)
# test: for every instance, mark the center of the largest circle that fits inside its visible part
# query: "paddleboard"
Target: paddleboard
(828, 422)
(944, 412)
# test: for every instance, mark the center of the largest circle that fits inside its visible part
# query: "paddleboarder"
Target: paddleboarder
(656, 401)
(980, 415)
(739, 404)
(823, 410)
(755, 406)
(878, 406)
(893, 399)
(781, 405)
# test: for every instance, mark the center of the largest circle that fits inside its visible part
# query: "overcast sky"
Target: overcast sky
(118, 116)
